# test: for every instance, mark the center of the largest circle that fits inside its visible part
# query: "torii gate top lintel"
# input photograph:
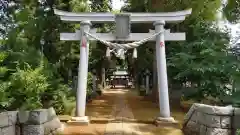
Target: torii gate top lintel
(97, 17)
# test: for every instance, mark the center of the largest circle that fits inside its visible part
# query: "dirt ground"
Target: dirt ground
(134, 113)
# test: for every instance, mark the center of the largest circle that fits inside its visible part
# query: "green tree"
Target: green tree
(31, 38)
(231, 11)
(206, 56)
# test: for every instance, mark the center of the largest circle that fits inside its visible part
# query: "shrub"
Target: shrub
(26, 86)
(58, 95)
(89, 84)
(5, 97)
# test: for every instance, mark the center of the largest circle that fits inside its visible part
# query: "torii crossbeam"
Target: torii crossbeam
(133, 36)
(123, 22)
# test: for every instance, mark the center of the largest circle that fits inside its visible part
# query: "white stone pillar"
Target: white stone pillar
(147, 82)
(162, 73)
(82, 75)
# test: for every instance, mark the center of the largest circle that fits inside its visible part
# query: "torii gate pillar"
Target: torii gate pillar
(162, 74)
(82, 76)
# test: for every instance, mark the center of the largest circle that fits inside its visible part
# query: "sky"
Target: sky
(117, 4)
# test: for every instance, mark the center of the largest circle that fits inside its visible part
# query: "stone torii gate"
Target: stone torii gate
(123, 23)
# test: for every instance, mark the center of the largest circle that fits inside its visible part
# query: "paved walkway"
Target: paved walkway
(116, 107)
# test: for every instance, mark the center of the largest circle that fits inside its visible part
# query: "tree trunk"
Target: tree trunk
(103, 77)
(155, 94)
(69, 74)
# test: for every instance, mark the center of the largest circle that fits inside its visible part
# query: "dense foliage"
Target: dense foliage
(36, 68)
(203, 66)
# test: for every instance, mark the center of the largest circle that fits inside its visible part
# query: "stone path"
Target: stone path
(121, 112)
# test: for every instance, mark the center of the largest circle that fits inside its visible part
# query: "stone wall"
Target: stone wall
(37, 122)
(8, 123)
(204, 119)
